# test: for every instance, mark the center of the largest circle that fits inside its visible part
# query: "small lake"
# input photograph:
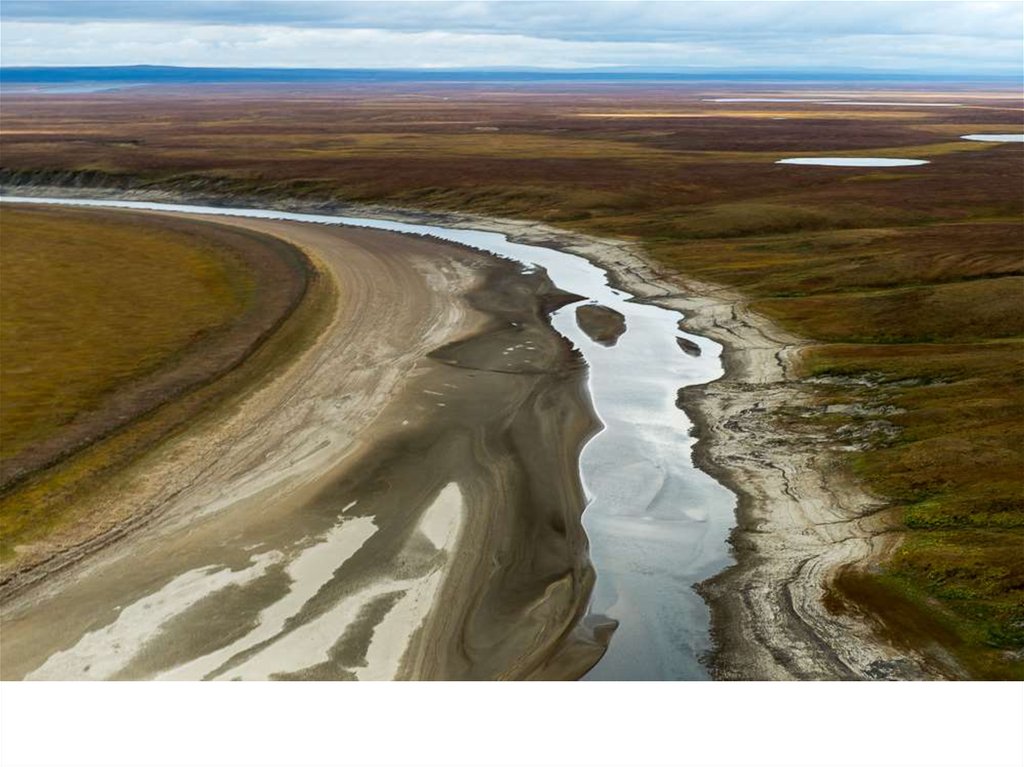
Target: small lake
(852, 162)
(1003, 137)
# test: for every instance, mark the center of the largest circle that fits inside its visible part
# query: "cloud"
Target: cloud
(909, 37)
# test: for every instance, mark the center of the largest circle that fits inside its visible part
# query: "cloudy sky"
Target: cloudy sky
(919, 37)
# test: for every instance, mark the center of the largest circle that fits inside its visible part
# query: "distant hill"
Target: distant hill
(142, 75)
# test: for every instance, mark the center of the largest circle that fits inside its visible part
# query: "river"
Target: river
(657, 525)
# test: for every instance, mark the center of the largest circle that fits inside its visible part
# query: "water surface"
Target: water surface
(1014, 137)
(852, 162)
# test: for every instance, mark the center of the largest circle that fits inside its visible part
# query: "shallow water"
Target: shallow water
(656, 524)
(1002, 137)
(852, 162)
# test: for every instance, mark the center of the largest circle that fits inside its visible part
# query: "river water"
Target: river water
(656, 524)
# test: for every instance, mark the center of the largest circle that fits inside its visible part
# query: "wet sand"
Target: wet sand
(602, 324)
(401, 501)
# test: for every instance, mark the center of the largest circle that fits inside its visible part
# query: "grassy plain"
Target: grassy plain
(105, 319)
(89, 303)
(912, 279)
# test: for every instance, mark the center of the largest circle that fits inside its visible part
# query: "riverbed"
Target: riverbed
(656, 524)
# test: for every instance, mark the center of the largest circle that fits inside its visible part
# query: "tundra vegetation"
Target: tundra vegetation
(910, 279)
(114, 326)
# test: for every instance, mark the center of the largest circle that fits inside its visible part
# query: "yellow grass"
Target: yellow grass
(87, 304)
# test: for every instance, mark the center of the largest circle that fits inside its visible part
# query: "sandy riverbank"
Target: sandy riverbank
(400, 501)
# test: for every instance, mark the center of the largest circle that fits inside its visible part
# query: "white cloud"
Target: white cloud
(923, 37)
(562, 19)
(103, 43)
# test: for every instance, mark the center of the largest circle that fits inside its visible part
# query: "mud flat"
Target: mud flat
(602, 324)
(401, 462)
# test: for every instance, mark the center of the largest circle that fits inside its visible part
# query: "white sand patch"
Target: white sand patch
(102, 653)
(309, 571)
(391, 636)
(312, 642)
(440, 523)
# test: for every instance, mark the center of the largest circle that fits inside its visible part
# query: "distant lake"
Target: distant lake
(1016, 137)
(851, 162)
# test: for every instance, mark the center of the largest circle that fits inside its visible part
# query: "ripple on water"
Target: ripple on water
(851, 162)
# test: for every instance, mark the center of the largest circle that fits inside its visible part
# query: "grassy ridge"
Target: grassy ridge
(87, 304)
(911, 278)
(119, 330)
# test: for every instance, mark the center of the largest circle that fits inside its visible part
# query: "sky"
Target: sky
(945, 38)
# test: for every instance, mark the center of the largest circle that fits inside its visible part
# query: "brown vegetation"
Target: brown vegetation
(911, 277)
(106, 318)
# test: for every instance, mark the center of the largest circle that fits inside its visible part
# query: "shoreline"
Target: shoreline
(800, 524)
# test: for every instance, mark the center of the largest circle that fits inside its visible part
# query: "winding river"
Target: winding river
(656, 524)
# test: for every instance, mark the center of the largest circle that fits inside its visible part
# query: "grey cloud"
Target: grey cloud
(611, 21)
(942, 37)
